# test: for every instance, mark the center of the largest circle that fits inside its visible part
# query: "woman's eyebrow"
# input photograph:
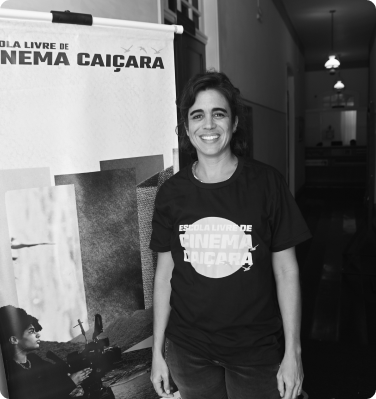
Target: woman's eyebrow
(213, 110)
(220, 109)
(196, 111)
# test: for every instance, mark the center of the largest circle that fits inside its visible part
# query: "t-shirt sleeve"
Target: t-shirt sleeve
(162, 222)
(287, 223)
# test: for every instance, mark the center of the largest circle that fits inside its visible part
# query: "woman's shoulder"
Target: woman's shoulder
(260, 170)
(176, 181)
(37, 361)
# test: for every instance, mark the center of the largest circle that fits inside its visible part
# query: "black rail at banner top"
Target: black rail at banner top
(67, 17)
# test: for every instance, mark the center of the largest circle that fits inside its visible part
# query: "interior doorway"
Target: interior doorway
(338, 126)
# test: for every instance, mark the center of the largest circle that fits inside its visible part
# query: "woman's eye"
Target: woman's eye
(219, 115)
(198, 116)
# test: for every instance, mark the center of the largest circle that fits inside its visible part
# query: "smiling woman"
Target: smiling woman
(225, 228)
(231, 105)
(210, 127)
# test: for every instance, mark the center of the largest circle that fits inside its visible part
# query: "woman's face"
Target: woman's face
(210, 126)
(29, 340)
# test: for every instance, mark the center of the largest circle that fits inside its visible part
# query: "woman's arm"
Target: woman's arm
(161, 306)
(286, 273)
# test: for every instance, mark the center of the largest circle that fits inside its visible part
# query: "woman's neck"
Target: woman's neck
(20, 357)
(215, 170)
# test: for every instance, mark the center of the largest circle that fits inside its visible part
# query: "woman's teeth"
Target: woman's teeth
(208, 138)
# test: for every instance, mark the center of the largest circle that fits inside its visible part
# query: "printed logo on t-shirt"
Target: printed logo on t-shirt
(217, 247)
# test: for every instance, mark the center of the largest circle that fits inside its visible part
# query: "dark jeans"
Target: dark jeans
(200, 378)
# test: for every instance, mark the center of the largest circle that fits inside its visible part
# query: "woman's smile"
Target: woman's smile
(209, 138)
(210, 127)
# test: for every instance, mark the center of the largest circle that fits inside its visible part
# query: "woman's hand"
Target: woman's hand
(81, 375)
(160, 377)
(290, 376)
(161, 312)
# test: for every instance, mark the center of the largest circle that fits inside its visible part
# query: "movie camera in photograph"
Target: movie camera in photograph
(97, 355)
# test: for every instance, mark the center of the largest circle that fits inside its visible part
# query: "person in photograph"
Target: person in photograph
(226, 293)
(28, 375)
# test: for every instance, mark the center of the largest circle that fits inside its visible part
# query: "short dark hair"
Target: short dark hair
(212, 79)
(13, 322)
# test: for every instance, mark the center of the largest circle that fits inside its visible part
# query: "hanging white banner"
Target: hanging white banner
(72, 95)
(90, 110)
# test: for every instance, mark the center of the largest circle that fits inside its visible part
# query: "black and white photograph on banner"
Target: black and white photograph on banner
(44, 226)
(14, 179)
(72, 262)
(110, 245)
(145, 167)
(151, 175)
(146, 192)
(84, 367)
(45, 244)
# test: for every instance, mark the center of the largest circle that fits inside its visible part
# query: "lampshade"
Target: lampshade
(339, 85)
(332, 62)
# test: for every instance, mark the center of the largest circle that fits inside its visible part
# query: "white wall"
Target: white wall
(256, 56)
(140, 10)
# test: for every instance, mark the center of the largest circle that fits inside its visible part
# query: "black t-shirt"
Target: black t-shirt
(42, 380)
(221, 237)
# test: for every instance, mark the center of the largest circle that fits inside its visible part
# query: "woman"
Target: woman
(28, 375)
(226, 292)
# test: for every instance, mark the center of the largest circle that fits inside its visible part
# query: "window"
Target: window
(192, 9)
(339, 100)
(172, 5)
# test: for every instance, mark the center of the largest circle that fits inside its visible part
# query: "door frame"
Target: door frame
(290, 132)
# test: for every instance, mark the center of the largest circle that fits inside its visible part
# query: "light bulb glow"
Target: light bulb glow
(332, 62)
(339, 85)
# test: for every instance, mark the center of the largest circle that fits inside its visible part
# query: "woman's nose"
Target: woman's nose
(209, 123)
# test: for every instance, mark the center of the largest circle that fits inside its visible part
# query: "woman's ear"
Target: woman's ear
(13, 340)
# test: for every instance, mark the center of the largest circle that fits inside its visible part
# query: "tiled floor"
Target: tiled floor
(338, 274)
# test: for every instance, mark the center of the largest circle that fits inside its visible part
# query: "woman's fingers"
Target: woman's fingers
(86, 372)
(81, 375)
(160, 377)
(281, 385)
(166, 384)
(162, 388)
(158, 388)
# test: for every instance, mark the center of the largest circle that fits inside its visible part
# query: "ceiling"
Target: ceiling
(354, 25)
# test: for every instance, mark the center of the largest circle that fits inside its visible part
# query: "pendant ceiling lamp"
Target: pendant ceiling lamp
(339, 85)
(332, 62)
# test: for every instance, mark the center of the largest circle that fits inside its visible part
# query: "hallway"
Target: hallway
(339, 297)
